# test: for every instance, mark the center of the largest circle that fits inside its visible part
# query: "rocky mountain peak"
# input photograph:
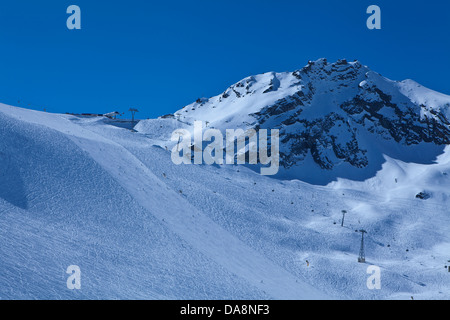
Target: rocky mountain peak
(336, 117)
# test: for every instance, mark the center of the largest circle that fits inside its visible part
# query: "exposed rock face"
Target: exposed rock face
(332, 135)
(330, 112)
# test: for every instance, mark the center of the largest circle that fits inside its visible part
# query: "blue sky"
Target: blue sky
(160, 56)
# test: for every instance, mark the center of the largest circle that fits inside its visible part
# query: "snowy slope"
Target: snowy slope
(86, 200)
(79, 191)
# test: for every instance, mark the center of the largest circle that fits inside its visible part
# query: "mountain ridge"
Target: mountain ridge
(334, 113)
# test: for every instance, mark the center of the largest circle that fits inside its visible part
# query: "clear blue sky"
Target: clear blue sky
(161, 56)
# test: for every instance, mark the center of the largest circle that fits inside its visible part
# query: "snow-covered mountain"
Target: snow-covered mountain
(335, 119)
(81, 191)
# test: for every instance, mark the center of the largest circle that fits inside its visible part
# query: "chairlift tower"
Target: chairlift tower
(133, 112)
(362, 254)
(343, 217)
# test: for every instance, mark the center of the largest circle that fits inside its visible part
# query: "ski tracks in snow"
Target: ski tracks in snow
(181, 217)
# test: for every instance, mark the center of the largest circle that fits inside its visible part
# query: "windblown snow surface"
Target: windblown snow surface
(79, 191)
